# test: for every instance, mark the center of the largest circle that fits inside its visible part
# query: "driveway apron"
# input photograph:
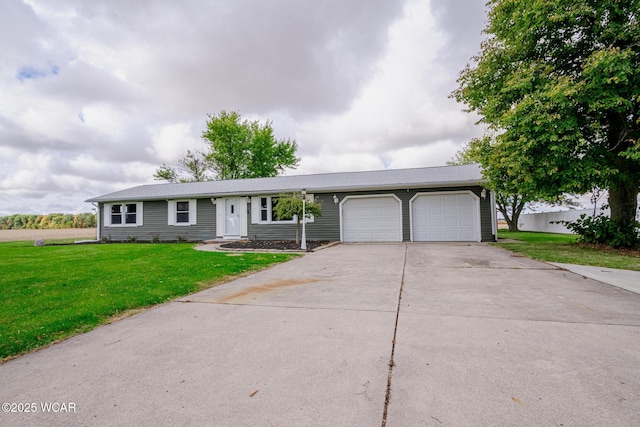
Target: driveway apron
(355, 335)
(486, 338)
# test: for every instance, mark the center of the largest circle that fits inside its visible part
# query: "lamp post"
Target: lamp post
(304, 220)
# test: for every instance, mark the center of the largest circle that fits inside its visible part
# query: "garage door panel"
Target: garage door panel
(467, 211)
(467, 222)
(451, 223)
(451, 235)
(445, 217)
(468, 236)
(372, 219)
(451, 210)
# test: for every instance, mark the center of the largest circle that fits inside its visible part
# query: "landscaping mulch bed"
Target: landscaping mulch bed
(282, 245)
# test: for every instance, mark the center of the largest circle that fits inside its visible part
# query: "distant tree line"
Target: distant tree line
(50, 221)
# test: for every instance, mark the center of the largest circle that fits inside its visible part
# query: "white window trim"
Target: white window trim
(107, 214)
(256, 211)
(172, 213)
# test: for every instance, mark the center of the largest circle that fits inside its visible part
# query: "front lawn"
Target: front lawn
(53, 292)
(564, 249)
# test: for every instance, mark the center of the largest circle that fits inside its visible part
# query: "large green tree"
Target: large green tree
(246, 149)
(510, 200)
(237, 149)
(558, 83)
(192, 167)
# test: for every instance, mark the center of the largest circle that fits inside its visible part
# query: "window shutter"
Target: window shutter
(171, 212)
(193, 212)
(219, 217)
(139, 214)
(255, 210)
(107, 214)
(242, 210)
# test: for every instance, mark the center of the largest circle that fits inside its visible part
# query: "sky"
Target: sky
(95, 96)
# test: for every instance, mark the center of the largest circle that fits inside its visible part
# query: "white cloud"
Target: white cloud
(28, 178)
(338, 163)
(436, 154)
(403, 108)
(170, 142)
(96, 95)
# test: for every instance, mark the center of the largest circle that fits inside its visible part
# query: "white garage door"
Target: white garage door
(371, 219)
(445, 218)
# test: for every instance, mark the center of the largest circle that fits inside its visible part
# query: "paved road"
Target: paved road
(481, 338)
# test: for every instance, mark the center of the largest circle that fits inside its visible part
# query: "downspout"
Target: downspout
(494, 217)
(98, 215)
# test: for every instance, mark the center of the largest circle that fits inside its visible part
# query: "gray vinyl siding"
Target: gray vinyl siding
(155, 223)
(486, 218)
(327, 227)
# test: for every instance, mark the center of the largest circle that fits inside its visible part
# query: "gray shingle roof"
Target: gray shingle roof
(442, 176)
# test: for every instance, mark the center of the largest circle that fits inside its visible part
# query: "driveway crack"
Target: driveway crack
(387, 398)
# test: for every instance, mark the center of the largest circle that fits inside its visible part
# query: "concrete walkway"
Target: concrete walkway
(625, 279)
(355, 335)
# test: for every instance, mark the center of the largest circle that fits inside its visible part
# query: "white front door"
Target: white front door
(232, 217)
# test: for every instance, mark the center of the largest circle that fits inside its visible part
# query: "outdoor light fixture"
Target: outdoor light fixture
(335, 199)
(303, 246)
(483, 193)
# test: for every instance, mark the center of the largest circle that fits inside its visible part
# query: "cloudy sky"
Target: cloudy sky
(95, 95)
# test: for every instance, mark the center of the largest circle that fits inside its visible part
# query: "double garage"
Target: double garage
(432, 217)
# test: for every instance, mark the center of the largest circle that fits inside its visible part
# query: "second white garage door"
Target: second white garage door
(449, 217)
(371, 219)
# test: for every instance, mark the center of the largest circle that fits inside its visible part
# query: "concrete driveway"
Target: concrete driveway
(474, 336)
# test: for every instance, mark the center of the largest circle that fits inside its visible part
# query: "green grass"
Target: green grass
(50, 293)
(563, 248)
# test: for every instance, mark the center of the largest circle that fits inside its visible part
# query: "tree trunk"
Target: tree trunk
(513, 225)
(511, 207)
(623, 191)
(623, 201)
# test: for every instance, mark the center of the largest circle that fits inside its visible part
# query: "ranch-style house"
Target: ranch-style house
(431, 204)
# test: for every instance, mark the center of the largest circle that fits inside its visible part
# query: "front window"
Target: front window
(116, 214)
(264, 209)
(123, 214)
(182, 212)
(274, 203)
(268, 210)
(130, 213)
